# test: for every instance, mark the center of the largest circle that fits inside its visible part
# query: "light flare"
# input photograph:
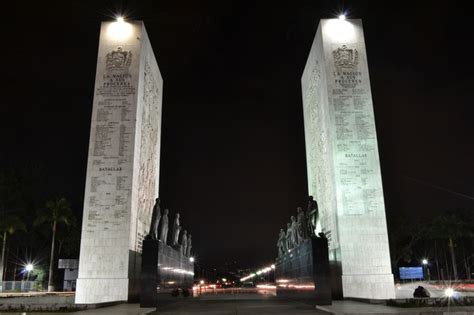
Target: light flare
(120, 30)
(340, 31)
(449, 292)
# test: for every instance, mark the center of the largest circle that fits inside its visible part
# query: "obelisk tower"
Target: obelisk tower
(123, 164)
(343, 160)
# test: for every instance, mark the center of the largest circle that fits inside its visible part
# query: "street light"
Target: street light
(449, 292)
(426, 268)
(29, 267)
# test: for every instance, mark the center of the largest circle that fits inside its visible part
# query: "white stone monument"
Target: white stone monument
(123, 164)
(343, 161)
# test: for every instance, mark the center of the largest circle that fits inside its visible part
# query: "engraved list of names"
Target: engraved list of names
(356, 162)
(110, 160)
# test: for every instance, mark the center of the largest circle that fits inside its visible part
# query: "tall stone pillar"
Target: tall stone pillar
(123, 164)
(343, 161)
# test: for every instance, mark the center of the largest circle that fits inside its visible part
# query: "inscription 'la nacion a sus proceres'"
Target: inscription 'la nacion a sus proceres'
(119, 80)
(348, 79)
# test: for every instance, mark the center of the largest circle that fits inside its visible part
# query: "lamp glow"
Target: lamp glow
(340, 30)
(449, 292)
(29, 267)
(424, 261)
(342, 17)
(191, 259)
(120, 30)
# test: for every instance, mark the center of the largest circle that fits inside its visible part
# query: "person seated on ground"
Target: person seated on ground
(421, 292)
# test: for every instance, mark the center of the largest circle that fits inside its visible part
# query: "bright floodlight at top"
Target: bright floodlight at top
(342, 17)
(119, 30)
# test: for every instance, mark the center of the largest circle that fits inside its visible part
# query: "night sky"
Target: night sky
(233, 155)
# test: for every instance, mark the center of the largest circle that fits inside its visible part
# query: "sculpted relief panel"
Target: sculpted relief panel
(321, 183)
(149, 144)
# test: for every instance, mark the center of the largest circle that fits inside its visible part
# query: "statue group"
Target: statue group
(300, 228)
(186, 240)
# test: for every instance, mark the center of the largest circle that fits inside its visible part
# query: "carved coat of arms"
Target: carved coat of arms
(345, 57)
(118, 59)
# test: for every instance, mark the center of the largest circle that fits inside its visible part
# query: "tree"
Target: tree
(8, 225)
(68, 242)
(403, 237)
(449, 227)
(55, 212)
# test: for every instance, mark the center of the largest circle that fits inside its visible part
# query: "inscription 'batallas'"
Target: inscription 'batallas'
(112, 169)
(356, 155)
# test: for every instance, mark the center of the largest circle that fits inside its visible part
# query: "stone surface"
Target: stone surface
(219, 304)
(149, 273)
(164, 269)
(235, 304)
(343, 161)
(303, 273)
(123, 164)
(243, 304)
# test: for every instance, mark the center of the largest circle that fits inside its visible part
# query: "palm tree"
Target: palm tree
(8, 225)
(55, 212)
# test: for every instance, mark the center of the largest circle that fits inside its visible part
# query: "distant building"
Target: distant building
(71, 268)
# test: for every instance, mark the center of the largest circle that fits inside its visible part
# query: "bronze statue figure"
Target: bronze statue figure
(312, 215)
(289, 236)
(281, 243)
(155, 220)
(176, 229)
(302, 225)
(188, 249)
(184, 243)
(164, 227)
(294, 231)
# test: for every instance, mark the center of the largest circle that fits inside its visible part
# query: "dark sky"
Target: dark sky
(233, 156)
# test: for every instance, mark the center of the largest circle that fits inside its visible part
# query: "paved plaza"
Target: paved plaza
(259, 304)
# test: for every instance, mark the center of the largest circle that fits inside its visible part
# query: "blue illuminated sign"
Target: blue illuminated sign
(407, 273)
